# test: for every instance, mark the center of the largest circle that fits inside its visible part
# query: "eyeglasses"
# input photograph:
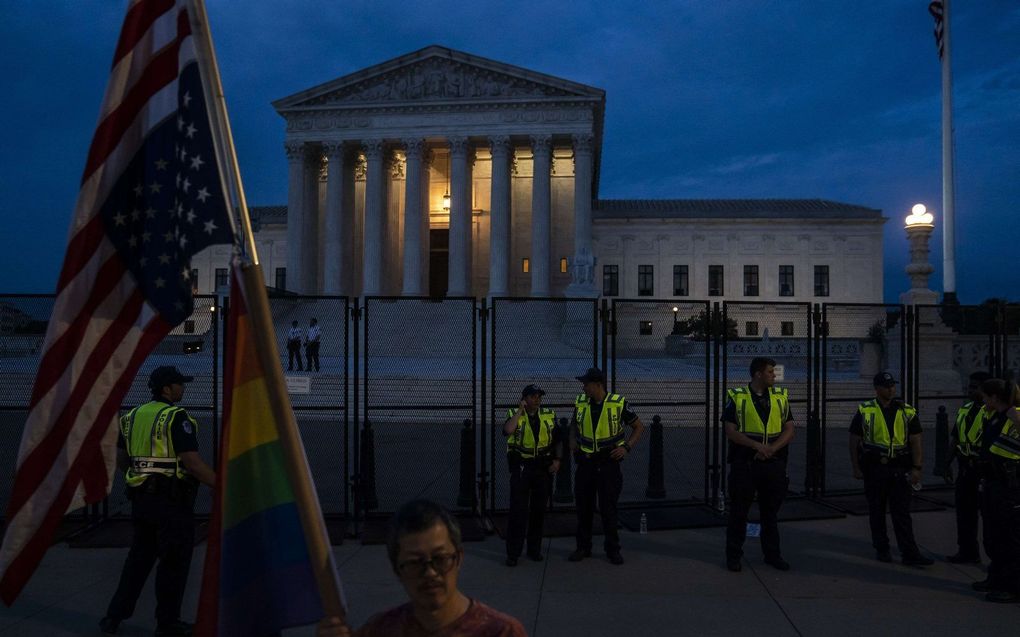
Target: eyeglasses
(441, 564)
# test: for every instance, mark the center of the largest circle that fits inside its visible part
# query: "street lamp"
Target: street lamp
(919, 216)
(919, 226)
(676, 322)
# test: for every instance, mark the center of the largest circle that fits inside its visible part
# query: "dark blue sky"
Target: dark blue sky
(705, 99)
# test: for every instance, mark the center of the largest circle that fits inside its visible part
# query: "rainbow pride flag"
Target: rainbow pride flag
(258, 575)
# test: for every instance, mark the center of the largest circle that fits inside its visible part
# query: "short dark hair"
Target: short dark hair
(980, 377)
(417, 516)
(998, 388)
(759, 363)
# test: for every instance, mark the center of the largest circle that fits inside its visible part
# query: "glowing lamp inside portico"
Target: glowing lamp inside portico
(919, 216)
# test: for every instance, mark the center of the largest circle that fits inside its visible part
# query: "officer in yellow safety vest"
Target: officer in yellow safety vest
(759, 427)
(533, 452)
(964, 447)
(599, 444)
(158, 450)
(1000, 492)
(886, 452)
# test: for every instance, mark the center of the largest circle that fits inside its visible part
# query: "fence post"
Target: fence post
(366, 484)
(564, 491)
(466, 496)
(813, 481)
(656, 474)
(941, 441)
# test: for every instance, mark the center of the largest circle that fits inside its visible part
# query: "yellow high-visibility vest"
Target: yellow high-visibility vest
(146, 430)
(749, 422)
(522, 440)
(607, 432)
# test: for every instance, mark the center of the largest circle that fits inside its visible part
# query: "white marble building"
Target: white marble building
(442, 173)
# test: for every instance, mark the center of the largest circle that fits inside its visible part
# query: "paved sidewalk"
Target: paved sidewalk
(674, 583)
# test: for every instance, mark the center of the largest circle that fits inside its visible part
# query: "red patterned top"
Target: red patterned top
(478, 621)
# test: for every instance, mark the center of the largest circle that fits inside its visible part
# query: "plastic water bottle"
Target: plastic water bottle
(644, 524)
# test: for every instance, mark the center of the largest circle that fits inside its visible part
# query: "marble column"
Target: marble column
(582, 266)
(499, 227)
(459, 282)
(541, 147)
(336, 262)
(295, 213)
(310, 230)
(375, 184)
(412, 284)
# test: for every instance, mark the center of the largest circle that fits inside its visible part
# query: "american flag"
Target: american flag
(937, 11)
(150, 198)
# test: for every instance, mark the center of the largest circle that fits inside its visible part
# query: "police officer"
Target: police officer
(599, 444)
(1000, 491)
(534, 449)
(885, 452)
(759, 426)
(965, 445)
(159, 450)
(312, 338)
(294, 347)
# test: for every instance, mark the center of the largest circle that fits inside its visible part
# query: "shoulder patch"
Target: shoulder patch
(186, 426)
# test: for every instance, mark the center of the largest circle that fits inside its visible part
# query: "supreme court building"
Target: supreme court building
(445, 174)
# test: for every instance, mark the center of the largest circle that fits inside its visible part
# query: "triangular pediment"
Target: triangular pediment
(437, 74)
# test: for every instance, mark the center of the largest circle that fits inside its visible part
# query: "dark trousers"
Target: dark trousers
(529, 496)
(968, 503)
(769, 481)
(312, 354)
(602, 478)
(164, 531)
(1000, 508)
(887, 487)
(294, 351)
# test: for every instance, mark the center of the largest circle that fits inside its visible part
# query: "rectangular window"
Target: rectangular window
(645, 328)
(563, 265)
(525, 265)
(189, 326)
(821, 280)
(681, 281)
(750, 280)
(610, 280)
(715, 280)
(645, 280)
(281, 278)
(221, 277)
(786, 328)
(751, 328)
(786, 280)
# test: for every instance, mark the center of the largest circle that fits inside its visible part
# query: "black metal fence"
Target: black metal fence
(410, 394)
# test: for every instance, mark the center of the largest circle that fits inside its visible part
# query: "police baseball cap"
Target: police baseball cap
(167, 375)
(884, 379)
(531, 390)
(594, 374)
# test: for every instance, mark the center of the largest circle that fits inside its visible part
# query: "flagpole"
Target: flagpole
(319, 549)
(948, 194)
(223, 138)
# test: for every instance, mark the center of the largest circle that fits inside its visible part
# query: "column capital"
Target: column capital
(459, 146)
(541, 144)
(414, 147)
(333, 150)
(295, 151)
(500, 145)
(583, 142)
(374, 148)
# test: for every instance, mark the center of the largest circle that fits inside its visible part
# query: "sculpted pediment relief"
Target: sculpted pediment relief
(437, 79)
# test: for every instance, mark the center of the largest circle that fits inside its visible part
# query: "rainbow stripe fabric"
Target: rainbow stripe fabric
(258, 576)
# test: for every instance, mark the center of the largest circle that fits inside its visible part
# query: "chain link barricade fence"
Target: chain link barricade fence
(660, 363)
(548, 342)
(785, 333)
(319, 388)
(420, 388)
(857, 342)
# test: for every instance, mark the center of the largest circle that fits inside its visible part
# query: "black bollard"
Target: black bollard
(564, 491)
(656, 472)
(941, 441)
(466, 496)
(366, 485)
(813, 479)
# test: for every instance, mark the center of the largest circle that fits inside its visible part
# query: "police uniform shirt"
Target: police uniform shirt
(182, 433)
(762, 405)
(889, 415)
(294, 334)
(992, 428)
(314, 332)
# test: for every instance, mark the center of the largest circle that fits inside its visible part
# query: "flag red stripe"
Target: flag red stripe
(80, 249)
(39, 461)
(137, 23)
(24, 564)
(161, 71)
(54, 359)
